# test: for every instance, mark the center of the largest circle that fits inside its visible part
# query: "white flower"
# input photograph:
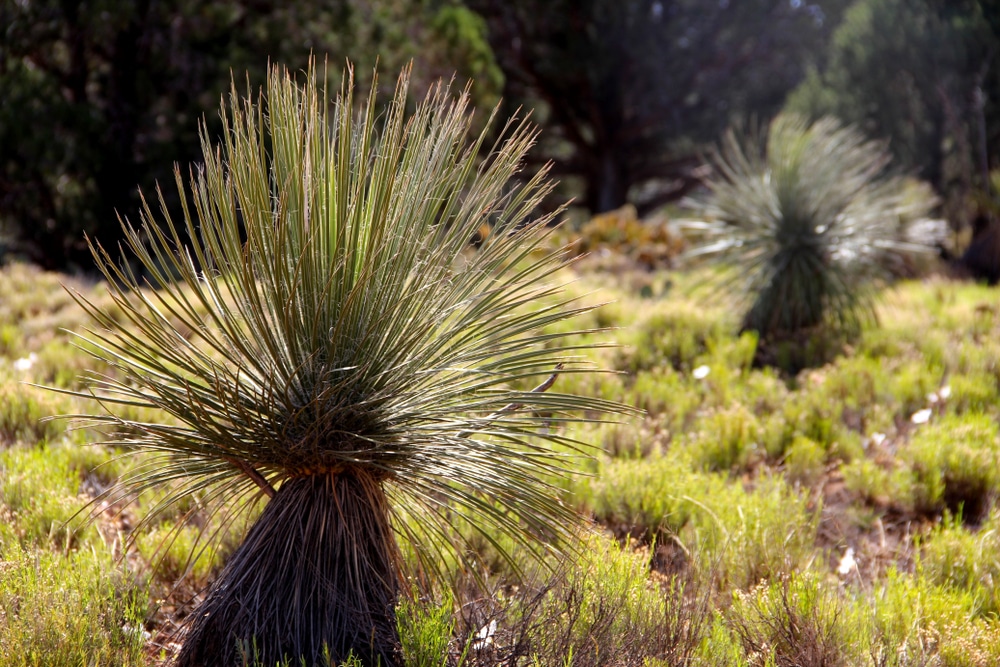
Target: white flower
(878, 438)
(137, 631)
(700, 373)
(25, 363)
(944, 392)
(921, 416)
(485, 636)
(932, 398)
(847, 563)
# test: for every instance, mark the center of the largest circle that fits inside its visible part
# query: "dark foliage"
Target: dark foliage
(627, 91)
(924, 75)
(99, 96)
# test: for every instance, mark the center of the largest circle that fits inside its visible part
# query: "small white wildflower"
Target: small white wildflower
(921, 416)
(137, 631)
(878, 438)
(944, 392)
(25, 363)
(847, 564)
(932, 398)
(485, 635)
(700, 373)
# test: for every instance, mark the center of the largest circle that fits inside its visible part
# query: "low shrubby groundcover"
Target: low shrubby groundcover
(844, 515)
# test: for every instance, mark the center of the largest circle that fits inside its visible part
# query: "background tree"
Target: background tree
(922, 74)
(809, 220)
(99, 96)
(627, 91)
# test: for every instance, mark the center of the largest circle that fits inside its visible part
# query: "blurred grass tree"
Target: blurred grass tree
(810, 221)
(330, 339)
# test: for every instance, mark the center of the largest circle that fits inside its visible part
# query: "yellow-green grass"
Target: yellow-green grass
(721, 518)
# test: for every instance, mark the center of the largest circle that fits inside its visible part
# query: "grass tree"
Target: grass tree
(810, 221)
(327, 342)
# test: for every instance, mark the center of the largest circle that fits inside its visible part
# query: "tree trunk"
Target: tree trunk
(607, 185)
(318, 571)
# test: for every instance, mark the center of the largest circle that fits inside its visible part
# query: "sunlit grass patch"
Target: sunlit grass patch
(68, 610)
(955, 557)
(41, 494)
(956, 465)
(734, 535)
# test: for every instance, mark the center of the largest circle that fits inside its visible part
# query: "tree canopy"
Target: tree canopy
(923, 75)
(101, 96)
(628, 92)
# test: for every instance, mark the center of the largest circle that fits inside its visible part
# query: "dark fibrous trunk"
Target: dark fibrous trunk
(318, 571)
(607, 185)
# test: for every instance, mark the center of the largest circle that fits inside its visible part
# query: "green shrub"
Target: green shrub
(920, 623)
(11, 341)
(633, 440)
(752, 535)
(911, 384)
(725, 439)
(425, 631)
(878, 486)
(809, 414)
(735, 536)
(664, 393)
(954, 557)
(762, 390)
(804, 461)
(653, 498)
(674, 336)
(972, 392)
(955, 464)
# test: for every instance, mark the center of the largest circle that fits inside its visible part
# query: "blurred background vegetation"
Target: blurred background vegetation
(99, 96)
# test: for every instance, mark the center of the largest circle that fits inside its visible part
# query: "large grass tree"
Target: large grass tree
(326, 341)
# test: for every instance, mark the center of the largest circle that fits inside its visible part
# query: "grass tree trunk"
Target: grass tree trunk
(607, 182)
(317, 572)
